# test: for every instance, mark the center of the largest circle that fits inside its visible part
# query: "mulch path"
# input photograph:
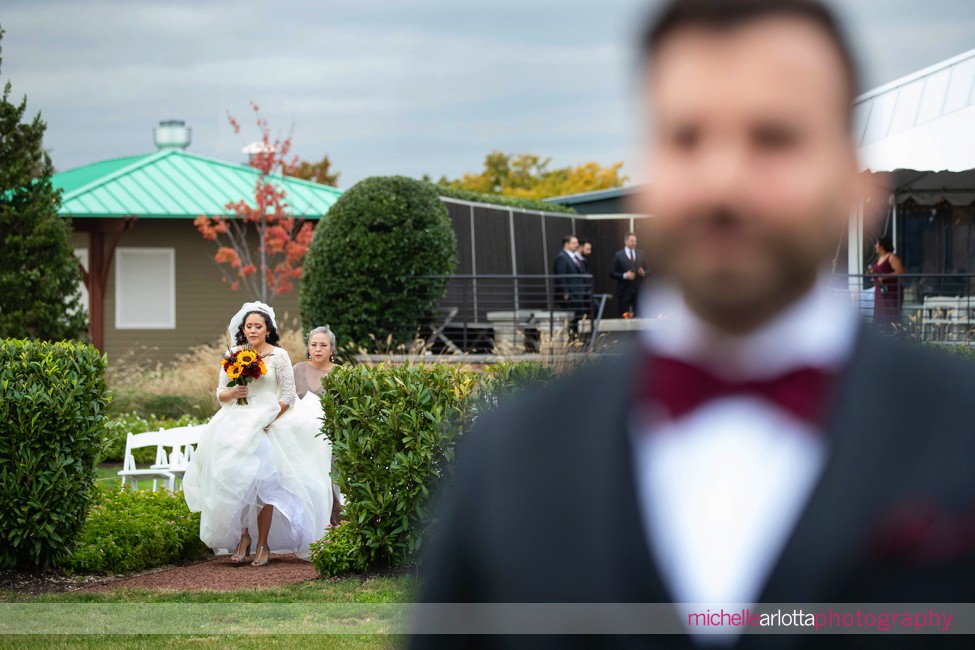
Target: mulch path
(217, 574)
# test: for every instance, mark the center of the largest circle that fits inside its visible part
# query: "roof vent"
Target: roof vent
(172, 134)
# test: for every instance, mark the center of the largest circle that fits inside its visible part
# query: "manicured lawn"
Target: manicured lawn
(107, 474)
(237, 642)
(315, 594)
(367, 589)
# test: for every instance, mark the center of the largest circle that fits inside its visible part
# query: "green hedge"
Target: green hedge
(503, 379)
(360, 275)
(339, 551)
(393, 431)
(165, 407)
(498, 199)
(130, 531)
(963, 350)
(52, 405)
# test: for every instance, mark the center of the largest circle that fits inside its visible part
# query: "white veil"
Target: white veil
(247, 308)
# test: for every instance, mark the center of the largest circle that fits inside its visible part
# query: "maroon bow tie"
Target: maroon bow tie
(682, 387)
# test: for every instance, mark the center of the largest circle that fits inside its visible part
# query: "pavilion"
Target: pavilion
(150, 277)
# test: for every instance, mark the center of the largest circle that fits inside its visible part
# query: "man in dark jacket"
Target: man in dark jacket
(569, 286)
(629, 269)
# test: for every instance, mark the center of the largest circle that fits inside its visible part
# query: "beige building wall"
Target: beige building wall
(203, 303)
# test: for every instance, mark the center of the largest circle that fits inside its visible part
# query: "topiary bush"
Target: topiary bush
(131, 531)
(360, 274)
(52, 404)
(392, 430)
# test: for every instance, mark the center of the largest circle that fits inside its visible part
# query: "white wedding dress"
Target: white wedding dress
(238, 468)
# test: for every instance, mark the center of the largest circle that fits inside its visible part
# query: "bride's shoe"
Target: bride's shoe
(243, 550)
(262, 551)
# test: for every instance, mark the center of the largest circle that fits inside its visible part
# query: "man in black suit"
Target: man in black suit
(759, 446)
(570, 287)
(629, 269)
(585, 254)
(585, 250)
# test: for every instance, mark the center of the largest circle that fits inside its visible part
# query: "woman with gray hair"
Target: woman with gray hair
(308, 379)
(321, 360)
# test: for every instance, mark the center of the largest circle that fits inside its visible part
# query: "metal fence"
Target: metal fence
(515, 314)
(927, 307)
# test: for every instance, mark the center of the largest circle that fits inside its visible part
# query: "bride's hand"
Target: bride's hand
(241, 391)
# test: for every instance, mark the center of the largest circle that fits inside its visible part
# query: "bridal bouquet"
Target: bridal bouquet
(243, 367)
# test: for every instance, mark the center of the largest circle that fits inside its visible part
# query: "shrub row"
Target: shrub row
(163, 407)
(393, 431)
(52, 404)
(130, 531)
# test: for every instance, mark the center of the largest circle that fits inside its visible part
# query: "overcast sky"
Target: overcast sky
(383, 87)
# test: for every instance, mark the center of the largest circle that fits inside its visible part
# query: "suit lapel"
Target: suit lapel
(862, 464)
(570, 261)
(634, 575)
(867, 455)
(862, 468)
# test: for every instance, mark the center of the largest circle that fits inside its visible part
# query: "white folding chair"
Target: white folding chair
(131, 473)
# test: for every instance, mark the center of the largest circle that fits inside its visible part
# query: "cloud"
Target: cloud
(428, 86)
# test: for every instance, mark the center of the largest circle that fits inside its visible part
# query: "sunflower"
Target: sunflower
(233, 372)
(246, 356)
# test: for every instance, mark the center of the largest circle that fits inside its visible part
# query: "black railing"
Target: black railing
(928, 307)
(514, 314)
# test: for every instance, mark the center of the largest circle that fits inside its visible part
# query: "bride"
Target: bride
(259, 465)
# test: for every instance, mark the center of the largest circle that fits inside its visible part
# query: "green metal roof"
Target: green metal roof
(176, 184)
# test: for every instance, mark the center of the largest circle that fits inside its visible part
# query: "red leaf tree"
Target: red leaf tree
(267, 267)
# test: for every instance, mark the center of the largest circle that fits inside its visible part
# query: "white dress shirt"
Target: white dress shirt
(722, 487)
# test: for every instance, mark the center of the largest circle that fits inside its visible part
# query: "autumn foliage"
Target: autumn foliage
(528, 176)
(319, 172)
(271, 267)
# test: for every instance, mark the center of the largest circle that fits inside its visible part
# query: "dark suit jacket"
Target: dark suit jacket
(544, 509)
(567, 281)
(622, 264)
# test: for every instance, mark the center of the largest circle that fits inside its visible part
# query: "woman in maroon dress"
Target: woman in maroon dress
(887, 289)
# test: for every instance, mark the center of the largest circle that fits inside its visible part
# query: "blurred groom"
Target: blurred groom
(762, 445)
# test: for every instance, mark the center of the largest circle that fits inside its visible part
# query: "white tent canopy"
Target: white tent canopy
(923, 121)
(917, 134)
(928, 188)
